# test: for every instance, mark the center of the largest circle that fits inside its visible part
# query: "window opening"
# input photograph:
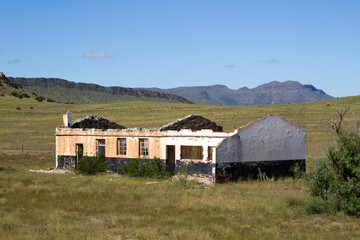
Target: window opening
(191, 152)
(121, 146)
(101, 146)
(144, 147)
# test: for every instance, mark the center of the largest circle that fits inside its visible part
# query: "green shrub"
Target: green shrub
(15, 94)
(92, 165)
(18, 108)
(145, 168)
(261, 176)
(15, 85)
(298, 173)
(336, 179)
(25, 95)
(314, 205)
(39, 98)
(50, 100)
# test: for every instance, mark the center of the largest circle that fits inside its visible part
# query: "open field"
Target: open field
(44, 206)
(32, 130)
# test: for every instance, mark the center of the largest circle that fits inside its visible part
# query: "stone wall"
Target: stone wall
(69, 162)
(249, 170)
(194, 168)
(66, 162)
(116, 163)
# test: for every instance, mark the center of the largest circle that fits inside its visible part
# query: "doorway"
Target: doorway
(170, 157)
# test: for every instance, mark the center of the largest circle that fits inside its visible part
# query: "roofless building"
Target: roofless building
(192, 146)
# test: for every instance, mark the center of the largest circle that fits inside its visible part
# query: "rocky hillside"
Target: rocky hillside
(9, 88)
(83, 93)
(270, 93)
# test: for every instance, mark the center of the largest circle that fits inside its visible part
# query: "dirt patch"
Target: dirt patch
(52, 171)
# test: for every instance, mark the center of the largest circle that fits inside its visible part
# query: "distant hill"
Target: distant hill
(271, 93)
(62, 90)
(9, 88)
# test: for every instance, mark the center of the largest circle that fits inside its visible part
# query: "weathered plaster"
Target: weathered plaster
(272, 139)
(269, 139)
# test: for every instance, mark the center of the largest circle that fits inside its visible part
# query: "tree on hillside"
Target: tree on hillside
(336, 179)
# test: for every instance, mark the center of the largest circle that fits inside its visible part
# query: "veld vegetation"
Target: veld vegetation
(65, 91)
(336, 179)
(151, 168)
(113, 206)
(92, 165)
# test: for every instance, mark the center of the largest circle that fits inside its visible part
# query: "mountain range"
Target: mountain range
(270, 93)
(274, 92)
(62, 90)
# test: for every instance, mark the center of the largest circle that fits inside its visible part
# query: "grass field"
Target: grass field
(31, 129)
(41, 206)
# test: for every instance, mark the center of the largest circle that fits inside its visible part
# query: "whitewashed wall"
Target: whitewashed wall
(269, 139)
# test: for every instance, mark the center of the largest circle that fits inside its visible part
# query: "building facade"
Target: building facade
(193, 146)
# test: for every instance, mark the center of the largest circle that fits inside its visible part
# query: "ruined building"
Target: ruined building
(192, 146)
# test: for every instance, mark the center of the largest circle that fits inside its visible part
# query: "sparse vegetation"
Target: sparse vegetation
(336, 180)
(20, 95)
(39, 98)
(113, 206)
(261, 176)
(152, 168)
(92, 165)
(64, 91)
(14, 85)
(16, 94)
(25, 95)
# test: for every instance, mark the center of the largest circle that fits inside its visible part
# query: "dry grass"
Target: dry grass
(40, 206)
(33, 129)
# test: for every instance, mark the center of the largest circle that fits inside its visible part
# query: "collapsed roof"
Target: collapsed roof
(192, 122)
(96, 122)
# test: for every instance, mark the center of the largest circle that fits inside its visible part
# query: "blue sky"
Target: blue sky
(184, 43)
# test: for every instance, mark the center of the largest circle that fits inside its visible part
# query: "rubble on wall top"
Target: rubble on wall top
(192, 122)
(96, 122)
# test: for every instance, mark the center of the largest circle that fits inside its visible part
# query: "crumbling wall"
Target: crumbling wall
(194, 169)
(234, 171)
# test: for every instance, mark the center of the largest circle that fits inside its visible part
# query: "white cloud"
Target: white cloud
(270, 61)
(90, 54)
(229, 66)
(14, 61)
